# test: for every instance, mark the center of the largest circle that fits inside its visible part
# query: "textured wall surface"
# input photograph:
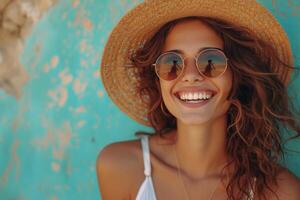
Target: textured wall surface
(17, 18)
(51, 133)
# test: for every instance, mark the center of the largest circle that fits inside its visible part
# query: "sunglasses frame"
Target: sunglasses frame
(195, 58)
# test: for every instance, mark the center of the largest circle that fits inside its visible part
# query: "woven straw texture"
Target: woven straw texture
(146, 18)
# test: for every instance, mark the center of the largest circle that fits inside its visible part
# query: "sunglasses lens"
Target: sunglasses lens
(212, 63)
(169, 66)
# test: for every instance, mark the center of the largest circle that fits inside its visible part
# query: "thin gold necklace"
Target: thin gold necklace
(182, 182)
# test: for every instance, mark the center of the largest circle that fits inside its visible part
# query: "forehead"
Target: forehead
(192, 34)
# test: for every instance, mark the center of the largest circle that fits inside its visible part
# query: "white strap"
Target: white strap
(146, 155)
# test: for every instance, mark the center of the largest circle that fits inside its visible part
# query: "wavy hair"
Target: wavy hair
(260, 105)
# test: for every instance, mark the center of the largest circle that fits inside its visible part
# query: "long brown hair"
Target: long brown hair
(261, 106)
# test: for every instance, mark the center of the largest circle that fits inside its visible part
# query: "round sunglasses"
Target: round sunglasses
(210, 62)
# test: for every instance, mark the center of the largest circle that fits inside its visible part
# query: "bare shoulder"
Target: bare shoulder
(115, 165)
(288, 185)
(118, 152)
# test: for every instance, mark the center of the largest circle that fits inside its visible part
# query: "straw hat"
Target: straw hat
(146, 18)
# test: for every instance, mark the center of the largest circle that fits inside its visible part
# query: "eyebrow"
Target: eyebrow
(201, 49)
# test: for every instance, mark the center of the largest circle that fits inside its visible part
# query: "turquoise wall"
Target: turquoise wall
(50, 138)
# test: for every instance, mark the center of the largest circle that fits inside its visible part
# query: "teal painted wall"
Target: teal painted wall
(50, 138)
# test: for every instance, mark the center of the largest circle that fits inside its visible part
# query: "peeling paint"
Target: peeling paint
(17, 19)
(58, 96)
(75, 3)
(54, 61)
(65, 77)
(14, 163)
(46, 68)
(87, 24)
(19, 117)
(80, 109)
(54, 198)
(292, 5)
(81, 123)
(83, 46)
(100, 93)
(79, 87)
(44, 142)
(57, 138)
(55, 166)
(96, 74)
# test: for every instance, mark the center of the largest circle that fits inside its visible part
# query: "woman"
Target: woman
(213, 87)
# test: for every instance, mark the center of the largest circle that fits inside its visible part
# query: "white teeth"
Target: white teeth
(201, 96)
(195, 96)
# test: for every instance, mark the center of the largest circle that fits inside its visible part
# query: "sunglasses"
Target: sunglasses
(210, 62)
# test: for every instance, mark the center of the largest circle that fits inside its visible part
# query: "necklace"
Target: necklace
(182, 182)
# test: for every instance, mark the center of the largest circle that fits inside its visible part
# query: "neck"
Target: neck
(201, 149)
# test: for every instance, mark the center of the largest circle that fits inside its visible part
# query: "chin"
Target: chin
(194, 120)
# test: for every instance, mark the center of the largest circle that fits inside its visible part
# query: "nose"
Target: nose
(190, 72)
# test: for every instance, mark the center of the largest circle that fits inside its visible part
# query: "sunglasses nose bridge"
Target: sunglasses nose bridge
(190, 68)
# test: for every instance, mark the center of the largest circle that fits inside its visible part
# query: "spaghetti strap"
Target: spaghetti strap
(146, 190)
(146, 154)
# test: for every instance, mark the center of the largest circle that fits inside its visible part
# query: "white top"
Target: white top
(146, 191)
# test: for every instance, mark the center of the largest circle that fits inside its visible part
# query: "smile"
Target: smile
(194, 99)
(195, 96)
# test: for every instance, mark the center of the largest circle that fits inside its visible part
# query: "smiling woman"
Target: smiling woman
(213, 86)
(196, 79)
